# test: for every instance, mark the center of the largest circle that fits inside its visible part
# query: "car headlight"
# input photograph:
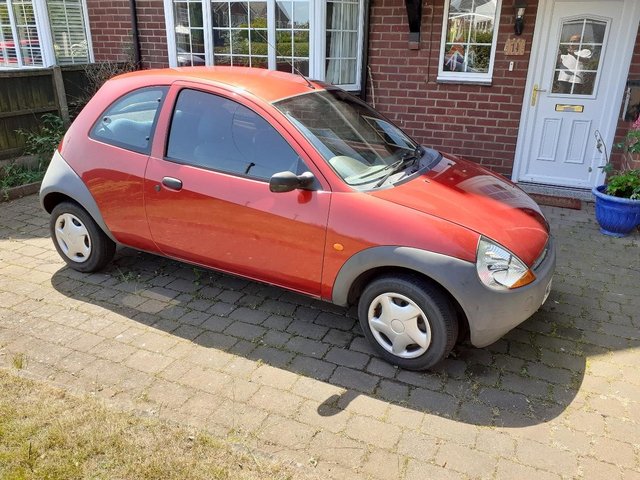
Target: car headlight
(500, 269)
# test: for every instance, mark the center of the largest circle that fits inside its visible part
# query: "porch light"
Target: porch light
(519, 6)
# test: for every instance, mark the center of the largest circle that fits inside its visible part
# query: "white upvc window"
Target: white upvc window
(40, 33)
(469, 37)
(321, 39)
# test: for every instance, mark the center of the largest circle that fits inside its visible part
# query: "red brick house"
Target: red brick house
(453, 73)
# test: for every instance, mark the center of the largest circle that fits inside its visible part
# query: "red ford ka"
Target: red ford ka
(296, 183)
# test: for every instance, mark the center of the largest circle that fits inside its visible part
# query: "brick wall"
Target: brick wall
(478, 122)
(623, 127)
(110, 23)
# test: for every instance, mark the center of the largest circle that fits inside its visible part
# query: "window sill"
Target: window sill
(466, 81)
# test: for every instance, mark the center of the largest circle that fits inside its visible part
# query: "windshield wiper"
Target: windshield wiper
(407, 159)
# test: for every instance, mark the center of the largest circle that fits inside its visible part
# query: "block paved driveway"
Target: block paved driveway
(293, 377)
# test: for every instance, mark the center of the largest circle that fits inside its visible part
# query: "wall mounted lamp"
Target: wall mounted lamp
(519, 6)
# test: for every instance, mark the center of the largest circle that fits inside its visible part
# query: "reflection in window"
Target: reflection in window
(8, 54)
(240, 34)
(189, 32)
(129, 122)
(274, 34)
(469, 36)
(342, 41)
(26, 51)
(68, 30)
(292, 36)
(216, 133)
(579, 52)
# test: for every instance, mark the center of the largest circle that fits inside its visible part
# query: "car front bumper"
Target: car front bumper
(492, 313)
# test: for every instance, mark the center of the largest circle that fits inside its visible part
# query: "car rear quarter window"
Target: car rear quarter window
(130, 121)
(216, 133)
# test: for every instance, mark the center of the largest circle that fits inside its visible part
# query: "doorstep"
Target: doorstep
(556, 191)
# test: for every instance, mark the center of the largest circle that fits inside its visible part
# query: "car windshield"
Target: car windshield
(359, 143)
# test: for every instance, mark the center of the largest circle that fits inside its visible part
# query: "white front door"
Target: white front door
(579, 64)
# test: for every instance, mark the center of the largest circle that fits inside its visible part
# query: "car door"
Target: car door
(114, 160)
(207, 193)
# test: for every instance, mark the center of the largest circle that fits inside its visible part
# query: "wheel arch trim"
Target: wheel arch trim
(443, 269)
(61, 179)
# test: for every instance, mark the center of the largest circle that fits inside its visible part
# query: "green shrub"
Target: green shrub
(45, 140)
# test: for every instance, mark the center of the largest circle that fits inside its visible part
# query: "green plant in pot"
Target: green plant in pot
(618, 200)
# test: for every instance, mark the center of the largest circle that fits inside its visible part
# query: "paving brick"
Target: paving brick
(275, 377)
(283, 431)
(392, 391)
(347, 358)
(278, 308)
(271, 356)
(595, 470)
(510, 469)
(333, 448)
(306, 329)
(332, 320)
(354, 379)
(214, 340)
(544, 457)
(247, 315)
(240, 417)
(277, 322)
(245, 330)
(407, 418)
(420, 470)
(464, 459)
(417, 445)
(312, 367)
(383, 465)
(307, 347)
(323, 416)
(276, 401)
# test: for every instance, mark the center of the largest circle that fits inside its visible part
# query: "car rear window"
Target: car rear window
(130, 121)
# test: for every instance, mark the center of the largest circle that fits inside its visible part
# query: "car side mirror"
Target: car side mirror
(288, 181)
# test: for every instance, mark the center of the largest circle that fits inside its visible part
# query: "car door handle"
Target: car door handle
(172, 183)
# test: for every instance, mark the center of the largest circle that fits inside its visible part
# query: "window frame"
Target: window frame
(154, 124)
(221, 95)
(317, 38)
(45, 36)
(468, 77)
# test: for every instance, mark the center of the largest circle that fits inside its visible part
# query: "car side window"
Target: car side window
(216, 133)
(130, 121)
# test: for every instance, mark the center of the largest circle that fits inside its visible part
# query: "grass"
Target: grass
(48, 433)
(19, 361)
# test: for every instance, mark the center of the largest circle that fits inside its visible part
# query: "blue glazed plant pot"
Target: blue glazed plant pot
(616, 216)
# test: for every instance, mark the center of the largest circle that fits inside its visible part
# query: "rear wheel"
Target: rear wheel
(410, 322)
(78, 239)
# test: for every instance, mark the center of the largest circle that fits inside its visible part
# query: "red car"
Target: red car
(296, 183)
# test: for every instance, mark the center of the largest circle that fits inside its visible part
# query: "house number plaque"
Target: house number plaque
(514, 46)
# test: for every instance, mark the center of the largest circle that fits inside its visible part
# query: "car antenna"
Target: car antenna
(295, 69)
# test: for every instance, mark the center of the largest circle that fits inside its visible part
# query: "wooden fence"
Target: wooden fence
(25, 95)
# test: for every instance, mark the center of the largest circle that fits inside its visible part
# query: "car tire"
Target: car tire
(78, 239)
(410, 322)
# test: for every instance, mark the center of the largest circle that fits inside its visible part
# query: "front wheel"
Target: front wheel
(409, 322)
(78, 239)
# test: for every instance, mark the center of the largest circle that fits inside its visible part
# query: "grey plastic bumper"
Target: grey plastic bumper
(491, 313)
(61, 178)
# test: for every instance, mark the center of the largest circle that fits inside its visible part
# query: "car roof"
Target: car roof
(268, 85)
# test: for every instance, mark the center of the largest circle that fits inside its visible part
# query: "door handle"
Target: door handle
(534, 94)
(172, 183)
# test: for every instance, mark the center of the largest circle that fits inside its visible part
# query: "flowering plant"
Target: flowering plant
(632, 139)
